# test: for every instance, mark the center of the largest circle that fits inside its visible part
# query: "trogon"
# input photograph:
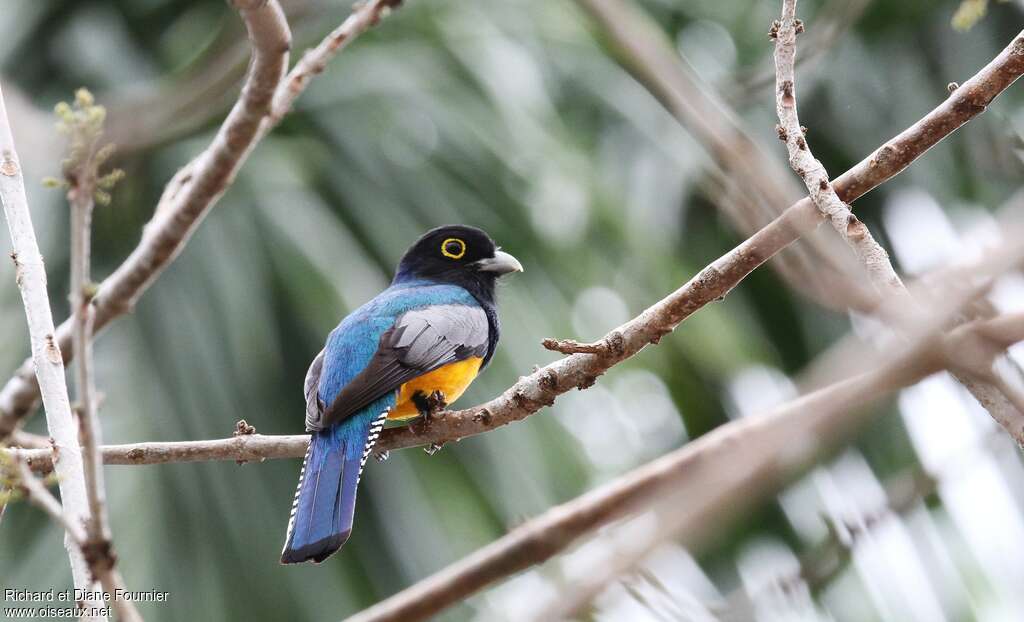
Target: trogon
(425, 337)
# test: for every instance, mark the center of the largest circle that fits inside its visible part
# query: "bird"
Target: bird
(412, 348)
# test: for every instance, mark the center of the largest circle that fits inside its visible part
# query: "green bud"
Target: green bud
(104, 153)
(83, 98)
(108, 181)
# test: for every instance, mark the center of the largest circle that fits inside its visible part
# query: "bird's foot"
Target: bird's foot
(382, 456)
(430, 405)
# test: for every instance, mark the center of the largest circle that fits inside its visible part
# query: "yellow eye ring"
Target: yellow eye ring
(448, 253)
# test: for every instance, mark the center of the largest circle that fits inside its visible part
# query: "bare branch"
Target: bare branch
(610, 344)
(771, 448)
(656, 65)
(852, 230)
(364, 16)
(533, 392)
(831, 23)
(241, 449)
(812, 172)
(46, 357)
(83, 123)
(81, 200)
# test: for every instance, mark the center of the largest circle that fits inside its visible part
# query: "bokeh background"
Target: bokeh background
(517, 117)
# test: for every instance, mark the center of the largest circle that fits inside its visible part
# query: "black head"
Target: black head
(460, 255)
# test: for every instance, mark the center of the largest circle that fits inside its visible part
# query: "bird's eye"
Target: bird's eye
(453, 248)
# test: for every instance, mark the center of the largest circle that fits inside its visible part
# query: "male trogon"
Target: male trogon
(431, 330)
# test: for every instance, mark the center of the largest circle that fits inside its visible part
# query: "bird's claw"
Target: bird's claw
(430, 405)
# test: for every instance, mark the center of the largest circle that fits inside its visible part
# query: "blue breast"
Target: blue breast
(351, 345)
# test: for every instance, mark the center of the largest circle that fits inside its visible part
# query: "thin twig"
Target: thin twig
(81, 183)
(811, 171)
(81, 200)
(83, 180)
(364, 16)
(831, 22)
(610, 344)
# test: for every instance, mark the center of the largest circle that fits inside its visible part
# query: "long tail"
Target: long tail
(325, 500)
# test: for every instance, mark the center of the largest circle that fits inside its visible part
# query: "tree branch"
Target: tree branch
(987, 388)
(241, 449)
(97, 527)
(810, 169)
(83, 123)
(46, 357)
(364, 16)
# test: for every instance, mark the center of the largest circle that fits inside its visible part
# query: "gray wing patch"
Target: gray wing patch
(428, 338)
(314, 407)
(421, 340)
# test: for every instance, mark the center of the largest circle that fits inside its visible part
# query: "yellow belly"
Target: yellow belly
(452, 380)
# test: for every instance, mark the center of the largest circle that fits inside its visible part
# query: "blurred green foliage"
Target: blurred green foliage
(507, 115)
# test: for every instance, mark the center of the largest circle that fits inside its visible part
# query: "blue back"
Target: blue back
(351, 345)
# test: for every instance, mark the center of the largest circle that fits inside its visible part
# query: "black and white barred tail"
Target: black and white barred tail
(324, 505)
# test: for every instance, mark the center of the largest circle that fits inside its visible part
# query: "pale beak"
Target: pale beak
(501, 263)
